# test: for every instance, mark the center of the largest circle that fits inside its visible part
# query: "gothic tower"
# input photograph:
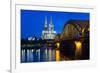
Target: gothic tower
(51, 26)
(45, 24)
(48, 32)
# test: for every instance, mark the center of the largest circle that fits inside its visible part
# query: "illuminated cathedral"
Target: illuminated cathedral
(48, 32)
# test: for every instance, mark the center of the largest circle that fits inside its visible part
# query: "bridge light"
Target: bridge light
(83, 30)
(78, 50)
(58, 44)
(78, 45)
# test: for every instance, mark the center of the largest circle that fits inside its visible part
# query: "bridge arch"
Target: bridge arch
(73, 28)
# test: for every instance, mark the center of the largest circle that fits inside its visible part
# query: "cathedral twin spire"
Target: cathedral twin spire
(48, 32)
(50, 26)
(45, 22)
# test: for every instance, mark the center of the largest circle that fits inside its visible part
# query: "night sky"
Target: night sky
(32, 22)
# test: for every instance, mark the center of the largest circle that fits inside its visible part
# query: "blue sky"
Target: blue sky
(32, 21)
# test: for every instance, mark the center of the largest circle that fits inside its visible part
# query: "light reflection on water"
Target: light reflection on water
(40, 55)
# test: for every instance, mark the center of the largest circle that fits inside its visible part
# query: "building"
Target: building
(48, 32)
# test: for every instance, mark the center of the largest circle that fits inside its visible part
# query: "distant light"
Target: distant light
(49, 44)
(31, 38)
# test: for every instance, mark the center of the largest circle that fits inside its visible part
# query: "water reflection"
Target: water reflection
(57, 55)
(40, 55)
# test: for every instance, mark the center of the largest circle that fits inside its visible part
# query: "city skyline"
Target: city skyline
(32, 21)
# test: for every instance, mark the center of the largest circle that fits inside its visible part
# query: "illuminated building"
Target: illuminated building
(48, 32)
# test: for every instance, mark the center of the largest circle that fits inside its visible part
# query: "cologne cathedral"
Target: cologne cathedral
(48, 32)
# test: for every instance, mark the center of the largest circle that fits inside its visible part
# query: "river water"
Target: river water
(40, 55)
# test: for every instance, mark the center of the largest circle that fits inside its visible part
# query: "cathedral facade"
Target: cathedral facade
(48, 32)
